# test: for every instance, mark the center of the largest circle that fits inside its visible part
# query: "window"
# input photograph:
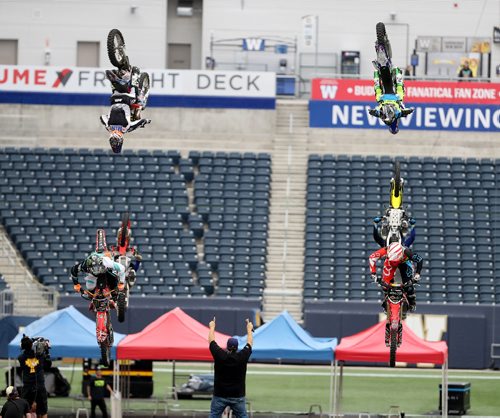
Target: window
(8, 51)
(87, 54)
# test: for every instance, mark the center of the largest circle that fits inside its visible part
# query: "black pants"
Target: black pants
(102, 406)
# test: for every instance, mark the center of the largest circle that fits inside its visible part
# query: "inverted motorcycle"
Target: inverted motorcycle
(139, 81)
(395, 223)
(390, 110)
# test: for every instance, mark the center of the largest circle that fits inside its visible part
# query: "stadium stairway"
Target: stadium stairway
(284, 284)
(31, 298)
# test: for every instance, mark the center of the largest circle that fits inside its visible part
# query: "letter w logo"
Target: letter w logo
(254, 44)
(328, 91)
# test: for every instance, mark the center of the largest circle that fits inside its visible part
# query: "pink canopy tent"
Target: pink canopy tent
(369, 346)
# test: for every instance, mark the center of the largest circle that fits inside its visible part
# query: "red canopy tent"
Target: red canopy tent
(173, 336)
(369, 346)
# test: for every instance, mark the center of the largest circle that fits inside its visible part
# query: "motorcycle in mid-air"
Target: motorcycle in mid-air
(122, 253)
(102, 303)
(395, 224)
(139, 82)
(390, 109)
(396, 307)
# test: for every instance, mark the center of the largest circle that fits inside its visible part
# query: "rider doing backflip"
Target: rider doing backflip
(125, 111)
(388, 83)
(397, 256)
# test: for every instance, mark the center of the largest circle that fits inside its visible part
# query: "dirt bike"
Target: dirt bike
(391, 108)
(122, 254)
(139, 81)
(395, 223)
(102, 303)
(396, 307)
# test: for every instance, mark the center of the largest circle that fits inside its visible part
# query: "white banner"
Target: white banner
(163, 82)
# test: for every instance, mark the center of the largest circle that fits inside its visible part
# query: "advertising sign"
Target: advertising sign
(79, 85)
(343, 103)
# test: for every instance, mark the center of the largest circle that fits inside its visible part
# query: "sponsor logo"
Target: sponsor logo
(62, 77)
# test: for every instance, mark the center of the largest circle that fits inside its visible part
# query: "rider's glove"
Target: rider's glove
(121, 286)
(77, 287)
(416, 278)
(375, 278)
(412, 221)
(377, 220)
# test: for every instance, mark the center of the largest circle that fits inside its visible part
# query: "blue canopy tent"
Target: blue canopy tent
(71, 334)
(283, 339)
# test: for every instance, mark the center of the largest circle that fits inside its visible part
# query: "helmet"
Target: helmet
(388, 114)
(95, 265)
(395, 253)
(116, 140)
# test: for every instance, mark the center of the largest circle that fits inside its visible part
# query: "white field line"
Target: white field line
(418, 375)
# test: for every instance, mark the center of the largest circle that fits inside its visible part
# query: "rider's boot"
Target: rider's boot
(131, 277)
(407, 111)
(374, 112)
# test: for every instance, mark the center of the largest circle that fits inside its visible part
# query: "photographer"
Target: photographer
(15, 407)
(34, 358)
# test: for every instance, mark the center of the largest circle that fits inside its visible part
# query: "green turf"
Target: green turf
(282, 388)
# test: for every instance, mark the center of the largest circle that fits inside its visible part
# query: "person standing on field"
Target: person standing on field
(230, 367)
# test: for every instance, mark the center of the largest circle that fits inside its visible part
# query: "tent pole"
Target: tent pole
(331, 387)
(341, 384)
(445, 388)
(336, 390)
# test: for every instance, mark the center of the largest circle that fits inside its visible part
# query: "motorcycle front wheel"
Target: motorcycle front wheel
(124, 229)
(104, 354)
(121, 305)
(394, 346)
(116, 49)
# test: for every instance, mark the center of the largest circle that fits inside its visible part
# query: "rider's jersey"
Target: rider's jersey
(389, 270)
(112, 268)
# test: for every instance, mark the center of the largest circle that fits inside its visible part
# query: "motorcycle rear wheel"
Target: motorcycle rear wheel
(383, 39)
(116, 49)
(394, 346)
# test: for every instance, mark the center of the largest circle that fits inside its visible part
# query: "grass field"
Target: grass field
(295, 388)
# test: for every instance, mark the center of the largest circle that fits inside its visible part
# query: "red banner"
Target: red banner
(415, 91)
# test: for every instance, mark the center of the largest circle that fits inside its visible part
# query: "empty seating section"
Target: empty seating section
(454, 202)
(200, 222)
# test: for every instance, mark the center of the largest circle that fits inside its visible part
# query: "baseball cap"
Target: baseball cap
(11, 392)
(232, 344)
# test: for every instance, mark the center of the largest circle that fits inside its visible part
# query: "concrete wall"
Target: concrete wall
(343, 25)
(63, 23)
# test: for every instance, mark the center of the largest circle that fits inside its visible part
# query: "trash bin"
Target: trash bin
(458, 397)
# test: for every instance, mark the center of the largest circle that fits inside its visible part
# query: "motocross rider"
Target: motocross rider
(121, 119)
(96, 265)
(388, 109)
(398, 256)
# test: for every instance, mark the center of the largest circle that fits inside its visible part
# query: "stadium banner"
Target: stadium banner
(169, 88)
(461, 106)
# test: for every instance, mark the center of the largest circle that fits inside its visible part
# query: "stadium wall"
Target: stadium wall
(469, 330)
(151, 26)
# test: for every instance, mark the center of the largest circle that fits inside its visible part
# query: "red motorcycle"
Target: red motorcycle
(396, 307)
(102, 303)
(122, 254)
